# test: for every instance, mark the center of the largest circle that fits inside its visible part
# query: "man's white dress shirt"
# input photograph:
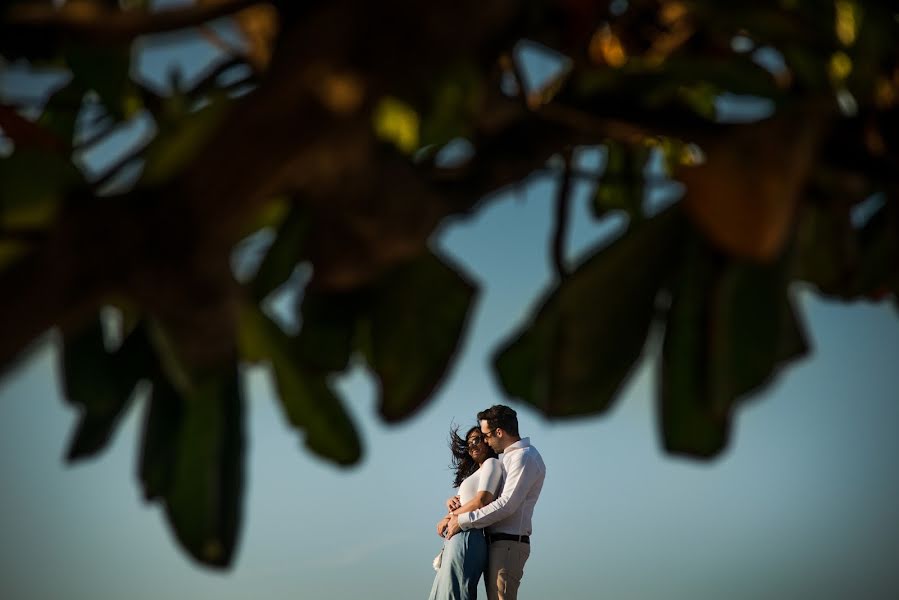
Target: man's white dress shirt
(512, 511)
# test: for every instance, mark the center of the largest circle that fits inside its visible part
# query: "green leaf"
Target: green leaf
(192, 460)
(878, 260)
(417, 317)
(326, 336)
(622, 184)
(689, 425)
(456, 100)
(101, 383)
(204, 496)
(731, 327)
(573, 356)
(283, 255)
(305, 396)
(700, 97)
(32, 185)
(824, 237)
(61, 111)
(106, 71)
(181, 136)
(735, 73)
(159, 444)
(754, 330)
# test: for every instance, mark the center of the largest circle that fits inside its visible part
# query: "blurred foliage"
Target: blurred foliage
(319, 127)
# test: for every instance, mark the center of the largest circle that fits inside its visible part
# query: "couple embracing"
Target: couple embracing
(488, 527)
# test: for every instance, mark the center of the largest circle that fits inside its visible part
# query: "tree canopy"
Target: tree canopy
(326, 128)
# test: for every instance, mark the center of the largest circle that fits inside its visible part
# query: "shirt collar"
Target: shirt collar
(519, 445)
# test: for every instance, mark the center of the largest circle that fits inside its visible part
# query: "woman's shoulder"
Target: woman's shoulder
(491, 463)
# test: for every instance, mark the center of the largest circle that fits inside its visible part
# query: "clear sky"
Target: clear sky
(805, 503)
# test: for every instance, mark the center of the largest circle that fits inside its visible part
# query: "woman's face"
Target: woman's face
(477, 447)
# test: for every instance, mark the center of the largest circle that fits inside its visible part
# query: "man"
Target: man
(508, 518)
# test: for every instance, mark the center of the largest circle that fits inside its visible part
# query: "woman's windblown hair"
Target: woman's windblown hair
(463, 464)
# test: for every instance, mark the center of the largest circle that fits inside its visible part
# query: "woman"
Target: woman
(479, 477)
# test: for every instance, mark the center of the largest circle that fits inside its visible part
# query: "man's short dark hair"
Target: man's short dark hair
(500, 416)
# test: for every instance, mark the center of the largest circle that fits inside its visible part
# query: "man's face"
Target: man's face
(491, 436)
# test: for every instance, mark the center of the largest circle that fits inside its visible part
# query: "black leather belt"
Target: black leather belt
(507, 537)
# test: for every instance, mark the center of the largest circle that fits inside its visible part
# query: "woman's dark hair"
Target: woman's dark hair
(463, 464)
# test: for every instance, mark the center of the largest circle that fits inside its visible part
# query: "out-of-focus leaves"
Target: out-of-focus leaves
(842, 261)
(283, 255)
(755, 329)
(417, 318)
(28, 135)
(105, 70)
(32, 184)
(305, 396)
(396, 122)
(328, 329)
(10, 252)
(700, 97)
(622, 184)
(158, 447)
(730, 328)
(455, 101)
(689, 424)
(101, 383)
(61, 110)
(878, 261)
(744, 196)
(736, 74)
(572, 357)
(181, 136)
(192, 460)
(691, 81)
(824, 242)
(259, 26)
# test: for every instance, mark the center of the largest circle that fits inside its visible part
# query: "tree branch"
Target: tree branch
(89, 21)
(563, 208)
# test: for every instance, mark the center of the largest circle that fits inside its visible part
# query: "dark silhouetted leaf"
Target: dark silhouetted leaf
(574, 355)
(328, 329)
(689, 425)
(456, 98)
(61, 111)
(181, 137)
(158, 446)
(192, 461)
(32, 185)
(754, 329)
(622, 184)
(104, 70)
(204, 496)
(730, 328)
(878, 261)
(417, 317)
(101, 383)
(283, 255)
(825, 240)
(307, 399)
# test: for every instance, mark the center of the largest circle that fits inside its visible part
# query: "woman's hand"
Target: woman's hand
(441, 525)
(453, 503)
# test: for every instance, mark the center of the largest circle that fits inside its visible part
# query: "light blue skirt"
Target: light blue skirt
(464, 561)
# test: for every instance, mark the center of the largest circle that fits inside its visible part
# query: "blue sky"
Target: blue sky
(803, 504)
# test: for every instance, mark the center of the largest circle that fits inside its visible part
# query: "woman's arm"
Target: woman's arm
(480, 500)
